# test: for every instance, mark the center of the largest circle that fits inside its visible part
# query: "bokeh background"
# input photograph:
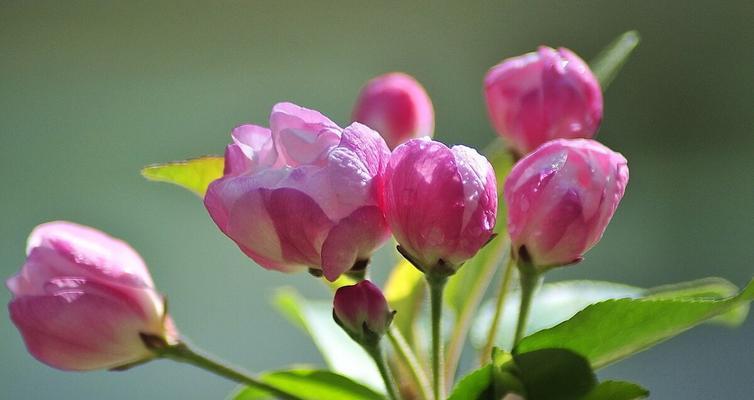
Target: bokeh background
(92, 91)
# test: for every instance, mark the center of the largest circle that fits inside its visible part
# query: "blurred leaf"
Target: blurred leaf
(615, 329)
(617, 390)
(554, 374)
(474, 386)
(610, 60)
(341, 353)
(310, 385)
(559, 301)
(194, 174)
(404, 292)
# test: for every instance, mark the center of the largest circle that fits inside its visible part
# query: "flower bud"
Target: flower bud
(362, 311)
(396, 106)
(440, 202)
(537, 97)
(303, 194)
(83, 300)
(560, 199)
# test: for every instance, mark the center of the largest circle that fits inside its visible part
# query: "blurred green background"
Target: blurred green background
(92, 91)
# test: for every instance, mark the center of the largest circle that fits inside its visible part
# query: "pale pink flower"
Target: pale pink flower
(83, 299)
(304, 193)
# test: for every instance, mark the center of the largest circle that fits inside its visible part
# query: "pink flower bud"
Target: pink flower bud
(537, 97)
(362, 311)
(396, 106)
(560, 199)
(303, 194)
(440, 202)
(83, 299)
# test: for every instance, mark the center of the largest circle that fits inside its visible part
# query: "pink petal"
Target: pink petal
(354, 238)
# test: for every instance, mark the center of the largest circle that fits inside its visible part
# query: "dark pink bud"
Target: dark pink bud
(560, 199)
(440, 202)
(83, 300)
(396, 106)
(542, 96)
(362, 310)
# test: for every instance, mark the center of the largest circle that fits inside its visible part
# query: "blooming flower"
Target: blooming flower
(440, 202)
(396, 106)
(362, 310)
(537, 97)
(83, 299)
(560, 199)
(304, 193)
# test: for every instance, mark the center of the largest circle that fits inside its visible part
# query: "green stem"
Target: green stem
(530, 281)
(436, 286)
(182, 353)
(379, 359)
(473, 296)
(407, 356)
(499, 306)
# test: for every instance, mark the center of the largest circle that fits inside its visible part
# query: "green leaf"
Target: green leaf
(617, 390)
(554, 374)
(404, 292)
(194, 174)
(340, 353)
(559, 301)
(310, 385)
(611, 59)
(612, 330)
(553, 303)
(474, 386)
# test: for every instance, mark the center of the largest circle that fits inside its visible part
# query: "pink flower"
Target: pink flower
(362, 310)
(537, 97)
(396, 106)
(82, 300)
(441, 203)
(560, 199)
(304, 193)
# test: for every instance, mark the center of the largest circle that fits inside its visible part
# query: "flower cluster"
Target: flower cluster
(308, 194)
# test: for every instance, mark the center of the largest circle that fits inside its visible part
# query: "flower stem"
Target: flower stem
(376, 353)
(181, 352)
(436, 284)
(499, 306)
(407, 356)
(472, 297)
(530, 281)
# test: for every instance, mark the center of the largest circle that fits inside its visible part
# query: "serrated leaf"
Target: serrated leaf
(612, 330)
(340, 353)
(617, 390)
(194, 174)
(611, 59)
(310, 384)
(404, 292)
(559, 301)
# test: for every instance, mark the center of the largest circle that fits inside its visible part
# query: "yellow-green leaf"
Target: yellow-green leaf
(194, 174)
(404, 292)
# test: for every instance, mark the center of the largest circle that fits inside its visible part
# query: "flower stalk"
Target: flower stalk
(499, 307)
(436, 284)
(530, 280)
(181, 352)
(411, 363)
